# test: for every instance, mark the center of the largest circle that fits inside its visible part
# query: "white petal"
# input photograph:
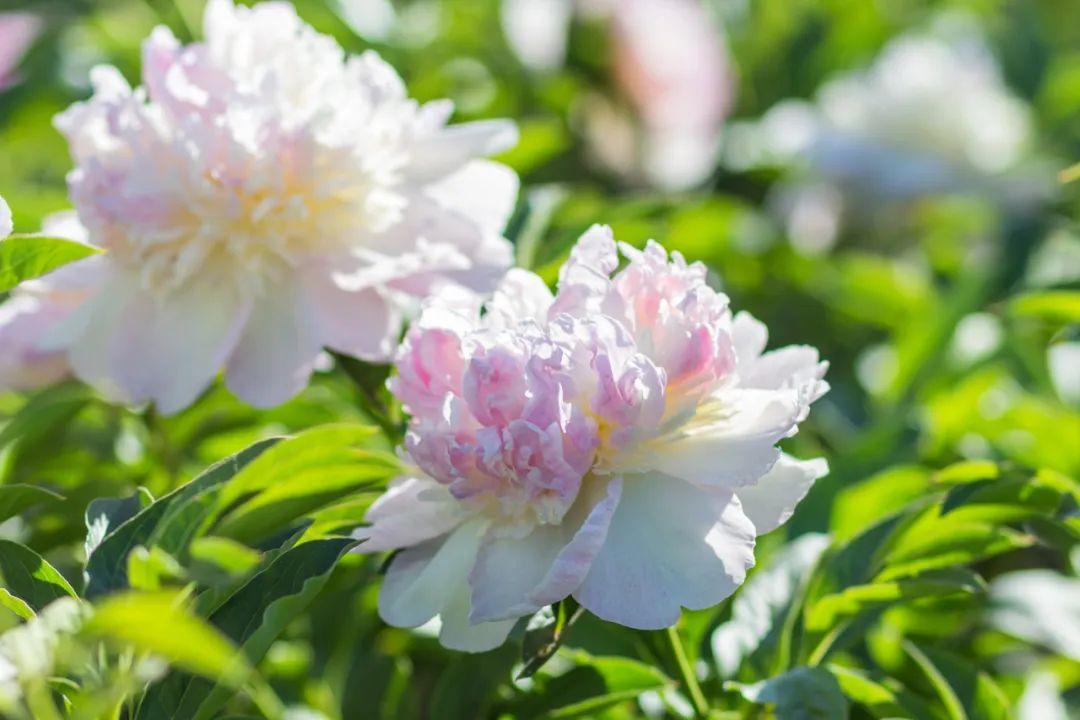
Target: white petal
(772, 500)
(417, 582)
(411, 511)
(670, 545)
(138, 346)
(277, 352)
(448, 149)
(514, 577)
(729, 444)
(484, 191)
(5, 219)
(521, 295)
(458, 633)
(361, 323)
(748, 337)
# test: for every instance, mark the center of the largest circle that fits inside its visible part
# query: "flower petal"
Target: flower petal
(411, 511)
(278, 349)
(459, 633)
(772, 500)
(5, 219)
(483, 190)
(670, 545)
(448, 149)
(514, 577)
(728, 445)
(364, 324)
(417, 582)
(139, 346)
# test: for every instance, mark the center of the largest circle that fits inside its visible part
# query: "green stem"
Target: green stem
(689, 680)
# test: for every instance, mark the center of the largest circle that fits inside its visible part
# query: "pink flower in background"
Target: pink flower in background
(35, 308)
(17, 33)
(263, 196)
(671, 60)
(615, 441)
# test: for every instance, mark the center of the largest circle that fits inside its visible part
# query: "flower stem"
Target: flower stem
(689, 680)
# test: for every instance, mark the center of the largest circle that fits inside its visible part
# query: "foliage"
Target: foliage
(198, 566)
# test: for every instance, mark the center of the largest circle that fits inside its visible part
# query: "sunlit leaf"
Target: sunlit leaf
(25, 257)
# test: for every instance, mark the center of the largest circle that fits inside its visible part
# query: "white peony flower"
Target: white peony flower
(262, 196)
(615, 442)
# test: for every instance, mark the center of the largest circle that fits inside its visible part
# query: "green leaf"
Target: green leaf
(760, 608)
(964, 690)
(804, 693)
(864, 503)
(1062, 306)
(106, 568)
(158, 623)
(227, 555)
(253, 617)
(883, 697)
(45, 411)
(466, 688)
(29, 577)
(103, 515)
(594, 684)
(824, 613)
(306, 473)
(25, 257)
(941, 542)
(148, 569)
(545, 634)
(16, 499)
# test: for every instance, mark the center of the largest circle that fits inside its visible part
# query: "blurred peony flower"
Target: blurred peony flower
(33, 309)
(615, 442)
(679, 82)
(264, 196)
(931, 115)
(17, 33)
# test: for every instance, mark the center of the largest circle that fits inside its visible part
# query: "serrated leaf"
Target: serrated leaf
(29, 577)
(25, 257)
(158, 623)
(805, 693)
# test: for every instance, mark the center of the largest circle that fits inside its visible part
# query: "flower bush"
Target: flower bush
(309, 410)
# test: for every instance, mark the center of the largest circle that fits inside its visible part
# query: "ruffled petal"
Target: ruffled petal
(772, 500)
(458, 632)
(670, 545)
(411, 511)
(729, 443)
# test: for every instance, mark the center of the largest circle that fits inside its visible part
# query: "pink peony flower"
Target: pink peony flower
(263, 196)
(37, 308)
(615, 442)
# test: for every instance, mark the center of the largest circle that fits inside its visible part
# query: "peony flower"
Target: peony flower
(932, 114)
(615, 442)
(263, 196)
(35, 308)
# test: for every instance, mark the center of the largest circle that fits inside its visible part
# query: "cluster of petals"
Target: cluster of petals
(263, 196)
(614, 441)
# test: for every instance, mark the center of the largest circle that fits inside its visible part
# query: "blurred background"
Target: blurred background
(891, 181)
